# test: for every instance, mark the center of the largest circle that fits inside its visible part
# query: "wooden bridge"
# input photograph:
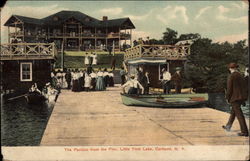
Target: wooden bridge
(170, 52)
(31, 51)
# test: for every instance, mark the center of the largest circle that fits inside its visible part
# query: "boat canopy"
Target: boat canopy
(147, 61)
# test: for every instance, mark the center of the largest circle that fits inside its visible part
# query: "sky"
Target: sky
(218, 20)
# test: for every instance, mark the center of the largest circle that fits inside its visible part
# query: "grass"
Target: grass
(83, 53)
(103, 60)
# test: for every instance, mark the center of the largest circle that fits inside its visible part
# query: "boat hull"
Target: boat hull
(34, 98)
(166, 101)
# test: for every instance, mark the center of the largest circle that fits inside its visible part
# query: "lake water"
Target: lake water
(24, 125)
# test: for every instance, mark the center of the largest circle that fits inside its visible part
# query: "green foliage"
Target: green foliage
(189, 36)
(207, 64)
(170, 36)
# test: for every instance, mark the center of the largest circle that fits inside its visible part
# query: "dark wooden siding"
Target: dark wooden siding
(11, 75)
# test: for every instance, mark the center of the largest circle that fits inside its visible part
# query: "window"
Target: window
(161, 66)
(55, 18)
(26, 72)
(87, 19)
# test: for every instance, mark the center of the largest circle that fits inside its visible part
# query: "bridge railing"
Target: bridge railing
(170, 52)
(28, 50)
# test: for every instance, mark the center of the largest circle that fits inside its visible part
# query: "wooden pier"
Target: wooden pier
(100, 118)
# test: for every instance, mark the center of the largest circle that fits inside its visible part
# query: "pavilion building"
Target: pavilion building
(74, 30)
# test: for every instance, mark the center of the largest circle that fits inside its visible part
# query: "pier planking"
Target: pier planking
(100, 118)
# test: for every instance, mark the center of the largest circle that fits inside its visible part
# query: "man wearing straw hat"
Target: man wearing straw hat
(236, 95)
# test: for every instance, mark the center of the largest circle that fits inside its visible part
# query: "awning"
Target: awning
(147, 61)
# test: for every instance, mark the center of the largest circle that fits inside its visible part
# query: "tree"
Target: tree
(170, 36)
(207, 64)
(189, 36)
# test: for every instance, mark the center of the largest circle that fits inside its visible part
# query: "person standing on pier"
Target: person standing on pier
(166, 81)
(123, 74)
(236, 95)
(145, 83)
(87, 82)
(111, 79)
(106, 77)
(75, 86)
(93, 80)
(100, 85)
(177, 79)
(68, 78)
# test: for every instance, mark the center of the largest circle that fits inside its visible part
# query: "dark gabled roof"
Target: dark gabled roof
(65, 15)
(24, 19)
(124, 23)
(120, 22)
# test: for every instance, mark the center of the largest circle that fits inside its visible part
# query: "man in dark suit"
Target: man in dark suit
(177, 79)
(236, 96)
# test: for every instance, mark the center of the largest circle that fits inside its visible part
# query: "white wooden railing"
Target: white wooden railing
(171, 52)
(27, 50)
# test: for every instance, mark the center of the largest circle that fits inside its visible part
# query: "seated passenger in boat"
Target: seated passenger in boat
(133, 85)
(34, 89)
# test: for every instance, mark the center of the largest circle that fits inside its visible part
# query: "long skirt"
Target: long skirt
(81, 81)
(111, 81)
(93, 83)
(106, 80)
(75, 86)
(100, 86)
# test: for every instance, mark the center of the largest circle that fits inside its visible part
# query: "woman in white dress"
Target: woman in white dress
(94, 59)
(87, 82)
(86, 59)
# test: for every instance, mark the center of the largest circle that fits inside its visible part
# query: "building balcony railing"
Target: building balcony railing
(72, 34)
(19, 51)
(170, 52)
(18, 34)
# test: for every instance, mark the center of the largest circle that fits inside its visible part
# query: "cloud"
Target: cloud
(112, 11)
(35, 12)
(171, 13)
(232, 38)
(240, 6)
(201, 12)
(139, 17)
(136, 34)
(221, 16)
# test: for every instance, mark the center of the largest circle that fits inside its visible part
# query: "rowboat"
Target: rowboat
(35, 98)
(170, 100)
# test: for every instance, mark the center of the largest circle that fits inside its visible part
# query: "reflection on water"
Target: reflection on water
(23, 124)
(218, 101)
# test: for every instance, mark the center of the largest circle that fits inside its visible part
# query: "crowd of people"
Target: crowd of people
(83, 80)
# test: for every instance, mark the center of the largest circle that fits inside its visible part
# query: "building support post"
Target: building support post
(125, 38)
(106, 39)
(95, 38)
(8, 34)
(119, 39)
(131, 37)
(23, 32)
(48, 33)
(15, 30)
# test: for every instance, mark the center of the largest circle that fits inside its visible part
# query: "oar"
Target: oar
(10, 99)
